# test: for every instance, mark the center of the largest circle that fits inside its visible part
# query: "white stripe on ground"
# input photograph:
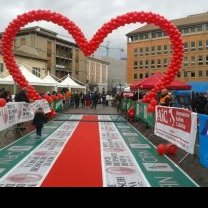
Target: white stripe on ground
(115, 173)
(42, 157)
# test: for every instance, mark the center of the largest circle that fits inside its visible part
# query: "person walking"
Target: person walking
(38, 121)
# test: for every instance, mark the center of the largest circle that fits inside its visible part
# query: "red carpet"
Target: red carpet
(79, 164)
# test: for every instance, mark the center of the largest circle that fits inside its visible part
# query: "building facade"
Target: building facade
(37, 65)
(63, 57)
(116, 73)
(149, 50)
(97, 74)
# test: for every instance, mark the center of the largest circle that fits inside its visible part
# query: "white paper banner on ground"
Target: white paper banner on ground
(176, 125)
(118, 164)
(17, 112)
(32, 170)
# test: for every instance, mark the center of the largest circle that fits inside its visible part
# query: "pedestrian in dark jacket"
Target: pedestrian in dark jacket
(39, 120)
(22, 96)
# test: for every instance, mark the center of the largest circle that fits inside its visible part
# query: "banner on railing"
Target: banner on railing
(41, 104)
(176, 125)
(17, 112)
(203, 140)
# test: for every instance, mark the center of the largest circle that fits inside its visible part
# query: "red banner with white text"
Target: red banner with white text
(176, 125)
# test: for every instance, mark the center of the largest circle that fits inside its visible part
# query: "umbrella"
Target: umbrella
(150, 82)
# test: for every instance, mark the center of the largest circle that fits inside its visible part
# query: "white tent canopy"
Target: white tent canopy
(30, 77)
(6, 81)
(50, 80)
(70, 83)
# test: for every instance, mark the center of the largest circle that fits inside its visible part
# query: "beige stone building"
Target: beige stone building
(97, 74)
(149, 50)
(37, 65)
(42, 50)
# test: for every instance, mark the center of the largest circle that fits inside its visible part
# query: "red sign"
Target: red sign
(176, 118)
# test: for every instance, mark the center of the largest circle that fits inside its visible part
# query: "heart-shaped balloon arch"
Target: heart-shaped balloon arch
(90, 47)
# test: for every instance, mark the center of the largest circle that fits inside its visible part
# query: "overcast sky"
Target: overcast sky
(89, 15)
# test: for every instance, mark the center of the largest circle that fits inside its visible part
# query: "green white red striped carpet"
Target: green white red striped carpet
(88, 151)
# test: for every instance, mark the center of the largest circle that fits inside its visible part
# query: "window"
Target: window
(158, 49)
(49, 49)
(185, 30)
(200, 60)
(200, 73)
(165, 49)
(186, 47)
(207, 45)
(140, 37)
(193, 60)
(36, 71)
(206, 26)
(185, 61)
(193, 29)
(146, 64)
(23, 41)
(147, 51)
(159, 34)
(1, 67)
(135, 37)
(165, 62)
(158, 63)
(193, 46)
(206, 60)
(179, 74)
(135, 64)
(153, 35)
(141, 51)
(185, 74)
(140, 76)
(199, 28)
(200, 45)
(141, 64)
(153, 50)
(135, 76)
(192, 74)
(152, 64)
(146, 36)
(135, 52)
(206, 73)
(146, 75)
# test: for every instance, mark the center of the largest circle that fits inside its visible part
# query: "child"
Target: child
(38, 121)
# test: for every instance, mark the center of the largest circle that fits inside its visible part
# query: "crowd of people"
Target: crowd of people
(6, 95)
(198, 101)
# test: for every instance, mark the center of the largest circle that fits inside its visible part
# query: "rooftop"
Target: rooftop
(186, 21)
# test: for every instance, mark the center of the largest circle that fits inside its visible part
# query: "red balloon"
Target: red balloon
(131, 112)
(151, 108)
(153, 102)
(2, 102)
(171, 148)
(161, 149)
(144, 100)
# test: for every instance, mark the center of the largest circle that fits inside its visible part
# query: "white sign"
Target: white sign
(119, 166)
(17, 112)
(176, 125)
(32, 170)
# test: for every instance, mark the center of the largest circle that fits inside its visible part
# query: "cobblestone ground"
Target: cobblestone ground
(190, 164)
